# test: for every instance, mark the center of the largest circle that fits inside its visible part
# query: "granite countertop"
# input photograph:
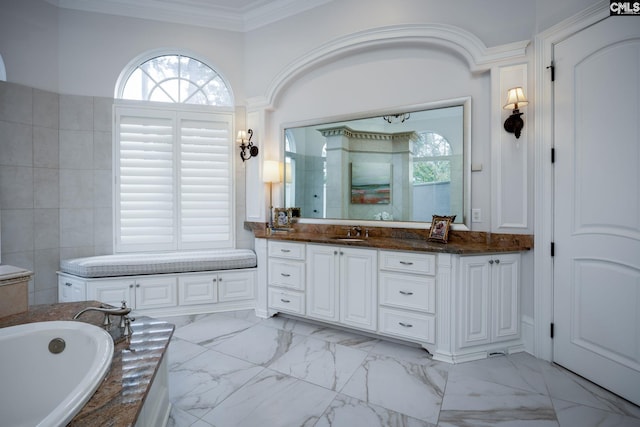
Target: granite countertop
(460, 242)
(119, 399)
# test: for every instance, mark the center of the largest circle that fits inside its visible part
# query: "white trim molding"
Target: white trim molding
(479, 57)
(509, 156)
(544, 181)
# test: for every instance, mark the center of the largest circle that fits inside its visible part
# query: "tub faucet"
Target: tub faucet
(122, 311)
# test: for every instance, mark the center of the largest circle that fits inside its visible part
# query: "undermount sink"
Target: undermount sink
(348, 239)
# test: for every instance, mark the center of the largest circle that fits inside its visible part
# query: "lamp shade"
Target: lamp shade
(242, 136)
(515, 99)
(271, 171)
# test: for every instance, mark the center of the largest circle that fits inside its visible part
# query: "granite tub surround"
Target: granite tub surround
(405, 239)
(120, 398)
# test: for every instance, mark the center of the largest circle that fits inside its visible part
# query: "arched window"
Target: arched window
(431, 159)
(177, 79)
(174, 164)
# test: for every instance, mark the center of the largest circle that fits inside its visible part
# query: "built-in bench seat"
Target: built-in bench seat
(168, 283)
(159, 263)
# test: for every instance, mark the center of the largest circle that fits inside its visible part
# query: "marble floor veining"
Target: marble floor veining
(235, 369)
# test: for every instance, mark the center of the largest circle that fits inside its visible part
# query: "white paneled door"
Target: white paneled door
(597, 205)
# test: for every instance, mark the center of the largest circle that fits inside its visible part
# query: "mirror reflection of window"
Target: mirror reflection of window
(431, 174)
(290, 169)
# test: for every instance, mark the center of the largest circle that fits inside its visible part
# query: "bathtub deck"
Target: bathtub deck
(119, 399)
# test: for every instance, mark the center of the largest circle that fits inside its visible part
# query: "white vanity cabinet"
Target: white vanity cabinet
(286, 277)
(488, 299)
(341, 285)
(407, 295)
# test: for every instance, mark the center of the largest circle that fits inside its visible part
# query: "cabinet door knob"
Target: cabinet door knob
(68, 284)
(285, 274)
(406, 263)
(286, 301)
(131, 285)
(497, 261)
(137, 285)
(406, 293)
(405, 325)
(335, 252)
(215, 280)
(490, 261)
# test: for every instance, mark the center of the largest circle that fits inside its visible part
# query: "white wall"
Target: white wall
(78, 53)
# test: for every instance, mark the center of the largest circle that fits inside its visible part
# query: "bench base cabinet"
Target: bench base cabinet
(166, 294)
(459, 308)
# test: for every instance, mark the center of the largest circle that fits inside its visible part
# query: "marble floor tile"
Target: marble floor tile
(259, 344)
(200, 384)
(320, 362)
(345, 411)
(212, 329)
(409, 388)
(181, 351)
(272, 399)
(565, 385)
(572, 414)
(235, 369)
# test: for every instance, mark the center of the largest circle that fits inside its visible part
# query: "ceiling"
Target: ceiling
(233, 15)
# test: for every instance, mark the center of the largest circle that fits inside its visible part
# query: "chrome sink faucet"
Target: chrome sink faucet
(123, 311)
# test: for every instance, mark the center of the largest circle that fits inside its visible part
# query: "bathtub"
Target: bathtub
(49, 370)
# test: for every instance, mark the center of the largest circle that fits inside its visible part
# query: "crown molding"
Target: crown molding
(189, 13)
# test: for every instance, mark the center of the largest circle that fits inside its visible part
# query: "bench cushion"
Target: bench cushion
(158, 263)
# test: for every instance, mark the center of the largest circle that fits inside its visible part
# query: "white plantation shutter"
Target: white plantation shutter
(173, 186)
(205, 181)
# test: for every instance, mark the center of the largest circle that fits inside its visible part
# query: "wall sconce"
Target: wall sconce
(271, 174)
(514, 123)
(246, 144)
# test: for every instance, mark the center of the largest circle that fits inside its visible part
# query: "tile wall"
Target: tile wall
(55, 181)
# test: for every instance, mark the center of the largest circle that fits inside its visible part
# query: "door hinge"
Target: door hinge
(551, 331)
(553, 155)
(552, 67)
(553, 249)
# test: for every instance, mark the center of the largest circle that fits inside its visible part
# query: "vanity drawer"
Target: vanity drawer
(289, 274)
(286, 250)
(283, 300)
(408, 291)
(414, 326)
(408, 262)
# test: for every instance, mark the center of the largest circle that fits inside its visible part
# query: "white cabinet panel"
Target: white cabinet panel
(358, 296)
(234, 286)
(341, 285)
(408, 291)
(406, 324)
(408, 262)
(156, 292)
(488, 309)
(71, 289)
(197, 289)
(286, 250)
(322, 282)
(289, 274)
(112, 291)
(287, 301)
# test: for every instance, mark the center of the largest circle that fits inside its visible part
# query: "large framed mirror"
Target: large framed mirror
(403, 166)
